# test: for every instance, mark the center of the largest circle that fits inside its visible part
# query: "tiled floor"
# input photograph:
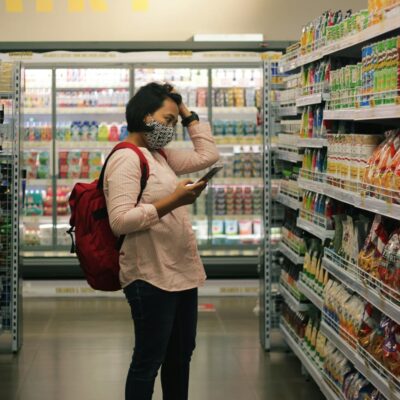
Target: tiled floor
(80, 350)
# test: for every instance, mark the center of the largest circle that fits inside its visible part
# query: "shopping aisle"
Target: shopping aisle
(80, 349)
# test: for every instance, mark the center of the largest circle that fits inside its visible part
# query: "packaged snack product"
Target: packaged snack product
(369, 323)
(391, 349)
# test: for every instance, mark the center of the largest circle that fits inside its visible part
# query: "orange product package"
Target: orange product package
(379, 159)
(385, 159)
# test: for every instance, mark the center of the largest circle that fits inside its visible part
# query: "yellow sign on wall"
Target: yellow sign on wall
(74, 6)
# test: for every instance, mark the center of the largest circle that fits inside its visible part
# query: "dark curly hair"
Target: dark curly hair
(146, 101)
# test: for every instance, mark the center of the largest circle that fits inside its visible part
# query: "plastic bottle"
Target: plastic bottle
(93, 131)
(123, 132)
(103, 133)
(75, 131)
(113, 132)
(85, 131)
(310, 122)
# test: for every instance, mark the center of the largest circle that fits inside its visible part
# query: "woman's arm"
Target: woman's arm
(204, 154)
(123, 176)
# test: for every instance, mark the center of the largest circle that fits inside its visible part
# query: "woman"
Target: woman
(160, 265)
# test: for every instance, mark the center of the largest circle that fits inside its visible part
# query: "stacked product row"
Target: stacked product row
(372, 82)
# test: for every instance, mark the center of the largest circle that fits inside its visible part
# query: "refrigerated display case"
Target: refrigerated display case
(75, 114)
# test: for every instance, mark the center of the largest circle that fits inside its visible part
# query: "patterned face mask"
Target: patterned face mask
(160, 136)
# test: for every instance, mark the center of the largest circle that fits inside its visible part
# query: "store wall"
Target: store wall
(142, 20)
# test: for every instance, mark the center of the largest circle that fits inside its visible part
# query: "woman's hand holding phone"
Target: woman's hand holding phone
(187, 192)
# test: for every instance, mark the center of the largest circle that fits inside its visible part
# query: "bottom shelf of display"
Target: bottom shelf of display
(311, 368)
(370, 371)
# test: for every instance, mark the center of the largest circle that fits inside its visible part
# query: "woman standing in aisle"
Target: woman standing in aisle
(160, 265)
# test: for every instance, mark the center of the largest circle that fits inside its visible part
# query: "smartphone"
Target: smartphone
(209, 175)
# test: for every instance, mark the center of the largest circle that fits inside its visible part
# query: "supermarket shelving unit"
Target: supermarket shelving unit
(269, 268)
(10, 207)
(352, 276)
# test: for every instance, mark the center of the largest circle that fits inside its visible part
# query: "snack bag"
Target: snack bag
(387, 164)
(375, 347)
(369, 323)
(385, 159)
(391, 349)
(394, 182)
(375, 160)
(389, 269)
(368, 258)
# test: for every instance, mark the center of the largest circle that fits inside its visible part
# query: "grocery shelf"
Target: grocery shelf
(312, 142)
(37, 219)
(314, 186)
(38, 182)
(291, 156)
(237, 181)
(36, 145)
(288, 111)
(84, 86)
(36, 111)
(72, 181)
(389, 24)
(85, 145)
(288, 201)
(311, 99)
(6, 95)
(364, 114)
(290, 254)
(382, 383)
(310, 294)
(368, 287)
(315, 229)
(234, 110)
(293, 303)
(90, 110)
(367, 203)
(311, 368)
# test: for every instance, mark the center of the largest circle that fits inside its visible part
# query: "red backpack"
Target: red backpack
(95, 244)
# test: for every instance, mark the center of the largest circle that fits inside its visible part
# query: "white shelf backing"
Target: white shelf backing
(290, 254)
(382, 383)
(354, 198)
(315, 229)
(291, 156)
(316, 143)
(364, 114)
(313, 185)
(311, 99)
(370, 288)
(288, 201)
(293, 303)
(36, 145)
(91, 110)
(310, 294)
(372, 204)
(292, 111)
(391, 23)
(311, 368)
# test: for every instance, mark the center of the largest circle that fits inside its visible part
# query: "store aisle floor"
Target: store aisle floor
(79, 349)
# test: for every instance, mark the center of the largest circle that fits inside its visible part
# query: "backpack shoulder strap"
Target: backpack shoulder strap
(162, 152)
(144, 166)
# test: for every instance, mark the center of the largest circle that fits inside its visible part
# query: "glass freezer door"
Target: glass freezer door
(90, 120)
(237, 193)
(37, 137)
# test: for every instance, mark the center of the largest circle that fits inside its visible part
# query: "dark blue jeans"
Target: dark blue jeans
(165, 326)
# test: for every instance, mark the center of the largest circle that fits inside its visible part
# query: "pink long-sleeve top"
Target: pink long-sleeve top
(162, 251)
